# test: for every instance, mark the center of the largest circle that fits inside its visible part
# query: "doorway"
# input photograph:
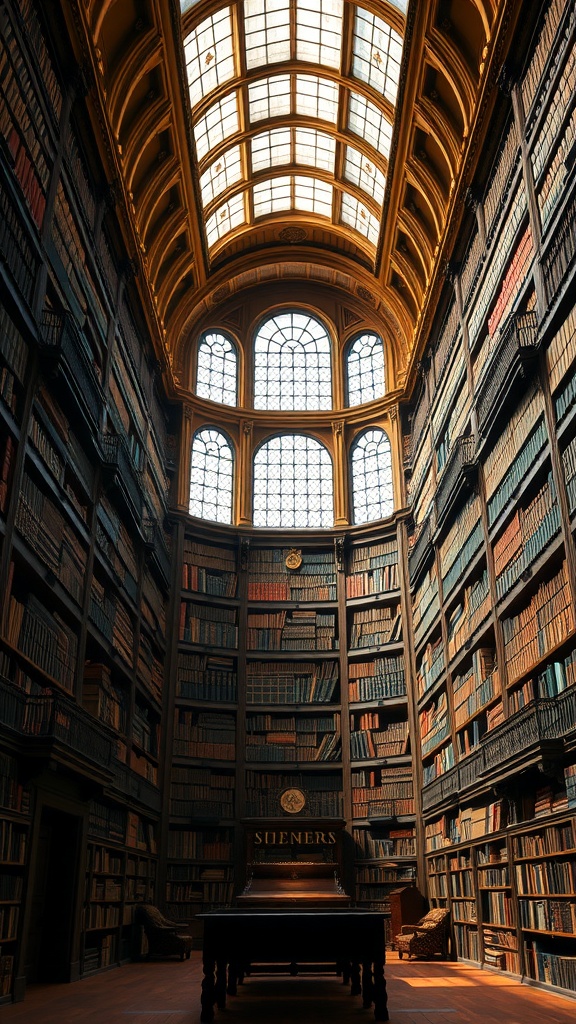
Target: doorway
(53, 900)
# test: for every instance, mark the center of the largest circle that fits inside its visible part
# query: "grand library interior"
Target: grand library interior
(287, 475)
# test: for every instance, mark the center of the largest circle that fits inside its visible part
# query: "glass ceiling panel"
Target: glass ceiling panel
(224, 171)
(269, 97)
(356, 216)
(319, 31)
(271, 149)
(272, 196)
(219, 122)
(313, 195)
(310, 32)
(227, 217)
(266, 32)
(317, 97)
(361, 171)
(377, 52)
(316, 149)
(209, 55)
(366, 120)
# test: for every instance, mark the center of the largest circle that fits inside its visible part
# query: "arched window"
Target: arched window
(217, 369)
(372, 494)
(365, 369)
(292, 363)
(211, 476)
(293, 483)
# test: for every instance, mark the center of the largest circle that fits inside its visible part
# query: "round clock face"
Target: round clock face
(292, 800)
(293, 559)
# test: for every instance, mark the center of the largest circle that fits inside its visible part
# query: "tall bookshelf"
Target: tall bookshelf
(492, 551)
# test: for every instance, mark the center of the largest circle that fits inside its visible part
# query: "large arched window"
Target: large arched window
(211, 476)
(365, 369)
(293, 484)
(217, 369)
(371, 459)
(292, 363)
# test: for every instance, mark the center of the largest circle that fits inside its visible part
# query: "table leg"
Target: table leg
(379, 992)
(355, 986)
(367, 985)
(208, 996)
(220, 988)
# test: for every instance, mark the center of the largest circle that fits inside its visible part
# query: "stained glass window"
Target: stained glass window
(217, 369)
(293, 484)
(365, 369)
(371, 471)
(211, 476)
(292, 363)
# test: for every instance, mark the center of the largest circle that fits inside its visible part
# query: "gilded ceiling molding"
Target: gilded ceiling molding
(418, 172)
(434, 120)
(168, 173)
(441, 52)
(416, 231)
(151, 121)
(174, 275)
(170, 227)
(144, 52)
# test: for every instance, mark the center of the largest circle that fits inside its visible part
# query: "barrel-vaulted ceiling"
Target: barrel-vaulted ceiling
(250, 140)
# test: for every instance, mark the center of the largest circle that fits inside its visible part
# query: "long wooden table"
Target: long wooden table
(352, 940)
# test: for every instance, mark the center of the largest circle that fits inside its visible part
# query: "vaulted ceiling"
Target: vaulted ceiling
(255, 141)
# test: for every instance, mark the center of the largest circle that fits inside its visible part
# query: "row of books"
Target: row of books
(204, 735)
(398, 843)
(206, 677)
(468, 614)
(546, 877)
(388, 739)
(430, 667)
(326, 748)
(292, 631)
(473, 693)
(461, 543)
(569, 463)
(527, 535)
(546, 621)
(560, 357)
(201, 844)
(539, 60)
(206, 892)
(548, 915)
(550, 840)
(552, 968)
(441, 762)
(373, 581)
(372, 627)
(425, 604)
(498, 907)
(214, 582)
(208, 625)
(294, 683)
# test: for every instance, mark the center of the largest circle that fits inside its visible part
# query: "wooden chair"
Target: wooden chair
(165, 937)
(427, 937)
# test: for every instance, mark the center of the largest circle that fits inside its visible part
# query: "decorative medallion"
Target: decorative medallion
(292, 235)
(294, 559)
(292, 800)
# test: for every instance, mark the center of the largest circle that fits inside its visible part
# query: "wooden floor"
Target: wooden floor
(168, 993)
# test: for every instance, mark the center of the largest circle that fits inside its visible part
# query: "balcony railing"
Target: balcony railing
(420, 548)
(512, 357)
(560, 254)
(55, 718)
(156, 547)
(117, 459)
(460, 469)
(134, 786)
(62, 341)
(540, 727)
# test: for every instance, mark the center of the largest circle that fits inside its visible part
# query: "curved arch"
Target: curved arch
(371, 476)
(212, 475)
(293, 483)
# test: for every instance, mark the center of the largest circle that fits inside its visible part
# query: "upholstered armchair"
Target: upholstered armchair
(427, 937)
(165, 938)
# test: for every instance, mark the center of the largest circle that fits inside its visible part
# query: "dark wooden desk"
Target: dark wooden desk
(353, 940)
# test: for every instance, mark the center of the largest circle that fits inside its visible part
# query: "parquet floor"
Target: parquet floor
(168, 993)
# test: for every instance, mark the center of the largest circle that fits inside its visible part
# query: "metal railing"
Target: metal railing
(460, 464)
(516, 347)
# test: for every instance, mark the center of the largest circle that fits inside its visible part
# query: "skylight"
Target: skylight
(275, 79)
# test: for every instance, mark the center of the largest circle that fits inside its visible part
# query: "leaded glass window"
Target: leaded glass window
(371, 470)
(293, 485)
(365, 369)
(292, 363)
(211, 476)
(217, 369)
